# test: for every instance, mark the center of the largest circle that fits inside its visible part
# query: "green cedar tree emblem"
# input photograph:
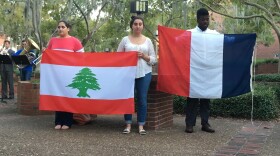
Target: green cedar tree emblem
(83, 81)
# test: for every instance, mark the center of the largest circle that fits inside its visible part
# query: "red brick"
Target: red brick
(219, 154)
(248, 152)
(227, 151)
(266, 68)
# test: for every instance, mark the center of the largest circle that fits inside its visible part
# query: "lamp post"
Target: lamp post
(139, 6)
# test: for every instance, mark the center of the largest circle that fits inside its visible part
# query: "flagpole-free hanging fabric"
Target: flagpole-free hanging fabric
(204, 65)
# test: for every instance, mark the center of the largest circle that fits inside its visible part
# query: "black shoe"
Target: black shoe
(189, 129)
(207, 128)
(11, 97)
(5, 97)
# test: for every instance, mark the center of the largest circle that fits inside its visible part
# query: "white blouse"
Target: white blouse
(147, 48)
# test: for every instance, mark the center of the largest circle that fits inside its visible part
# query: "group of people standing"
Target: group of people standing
(135, 41)
(7, 70)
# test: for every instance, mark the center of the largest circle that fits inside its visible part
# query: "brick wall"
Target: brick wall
(266, 68)
(28, 99)
(160, 108)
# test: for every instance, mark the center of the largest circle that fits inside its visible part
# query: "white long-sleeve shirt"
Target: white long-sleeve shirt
(198, 30)
(147, 48)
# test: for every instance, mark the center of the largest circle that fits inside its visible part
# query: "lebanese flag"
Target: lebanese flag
(90, 83)
(201, 65)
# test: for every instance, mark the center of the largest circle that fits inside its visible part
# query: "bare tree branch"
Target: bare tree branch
(274, 26)
(276, 14)
(154, 38)
(230, 16)
(84, 16)
(277, 4)
(170, 19)
(259, 7)
(245, 17)
(97, 25)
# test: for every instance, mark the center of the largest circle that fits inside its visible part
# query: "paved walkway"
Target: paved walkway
(34, 135)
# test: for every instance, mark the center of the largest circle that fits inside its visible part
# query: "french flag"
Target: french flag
(201, 65)
(90, 83)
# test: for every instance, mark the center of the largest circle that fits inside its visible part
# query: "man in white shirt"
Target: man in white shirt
(7, 71)
(193, 103)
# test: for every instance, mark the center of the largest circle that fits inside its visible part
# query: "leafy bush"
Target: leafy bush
(267, 77)
(264, 61)
(265, 104)
(179, 104)
(16, 71)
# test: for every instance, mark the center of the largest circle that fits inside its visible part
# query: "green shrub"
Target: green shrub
(267, 77)
(16, 71)
(264, 61)
(265, 104)
(179, 104)
(272, 85)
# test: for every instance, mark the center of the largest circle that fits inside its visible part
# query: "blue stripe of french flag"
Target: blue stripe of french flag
(201, 65)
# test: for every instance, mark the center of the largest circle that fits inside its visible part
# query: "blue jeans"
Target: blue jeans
(25, 75)
(141, 87)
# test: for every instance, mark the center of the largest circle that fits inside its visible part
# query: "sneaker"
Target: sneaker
(4, 97)
(142, 132)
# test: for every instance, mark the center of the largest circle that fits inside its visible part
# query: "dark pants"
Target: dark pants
(64, 118)
(191, 111)
(25, 75)
(7, 79)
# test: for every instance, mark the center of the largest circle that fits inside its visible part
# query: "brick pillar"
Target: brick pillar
(28, 99)
(160, 108)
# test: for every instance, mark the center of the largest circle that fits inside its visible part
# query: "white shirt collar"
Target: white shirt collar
(198, 29)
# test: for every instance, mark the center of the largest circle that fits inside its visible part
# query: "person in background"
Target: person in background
(136, 41)
(67, 43)
(25, 72)
(7, 71)
(193, 103)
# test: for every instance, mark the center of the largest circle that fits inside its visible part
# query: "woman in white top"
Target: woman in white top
(136, 41)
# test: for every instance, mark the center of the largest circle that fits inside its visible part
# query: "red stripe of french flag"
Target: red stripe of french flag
(176, 72)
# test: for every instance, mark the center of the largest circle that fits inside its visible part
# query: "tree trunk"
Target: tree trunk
(36, 20)
(278, 52)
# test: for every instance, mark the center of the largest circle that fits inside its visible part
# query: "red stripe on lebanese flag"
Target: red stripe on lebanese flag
(175, 49)
(87, 106)
(77, 72)
(89, 59)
